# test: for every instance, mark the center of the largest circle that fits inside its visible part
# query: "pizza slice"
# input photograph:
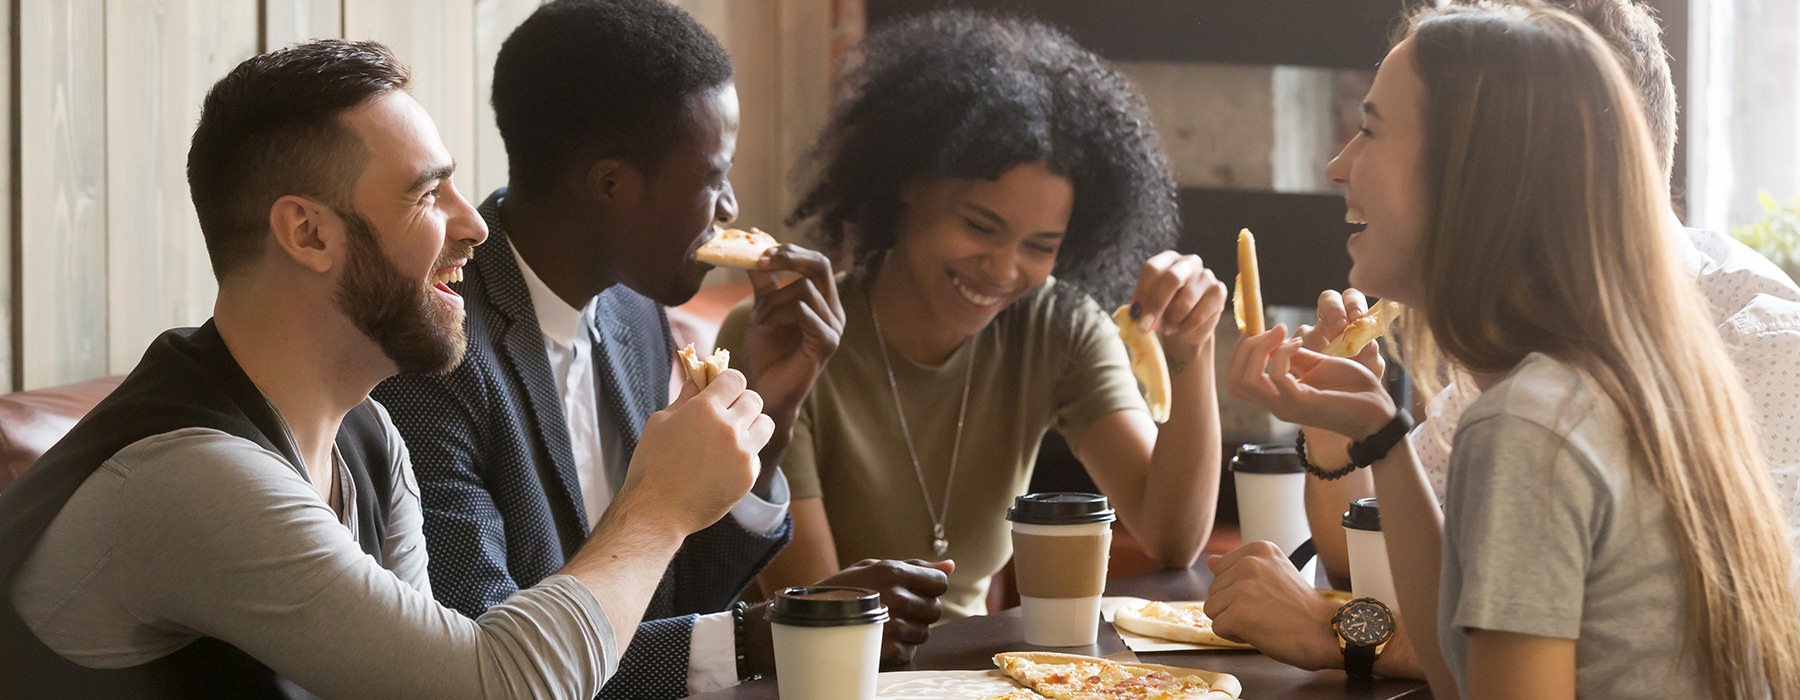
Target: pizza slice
(1073, 677)
(1147, 363)
(1364, 329)
(703, 371)
(735, 248)
(1176, 622)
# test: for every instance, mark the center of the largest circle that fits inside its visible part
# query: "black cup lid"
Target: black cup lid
(1363, 515)
(1267, 458)
(827, 606)
(1060, 509)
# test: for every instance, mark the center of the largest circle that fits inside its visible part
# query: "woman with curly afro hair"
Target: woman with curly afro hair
(990, 184)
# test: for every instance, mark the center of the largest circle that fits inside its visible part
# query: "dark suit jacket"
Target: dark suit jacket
(491, 449)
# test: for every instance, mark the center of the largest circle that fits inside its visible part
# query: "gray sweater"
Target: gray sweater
(197, 533)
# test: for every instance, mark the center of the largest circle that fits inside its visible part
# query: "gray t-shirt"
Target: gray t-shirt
(1551, 531)
(198, 533)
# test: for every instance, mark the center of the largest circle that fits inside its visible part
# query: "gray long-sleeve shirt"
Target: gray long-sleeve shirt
(197, 533)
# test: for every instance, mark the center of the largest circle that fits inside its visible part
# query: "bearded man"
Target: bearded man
(239, 520)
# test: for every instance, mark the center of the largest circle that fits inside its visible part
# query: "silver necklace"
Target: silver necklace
(939, 543)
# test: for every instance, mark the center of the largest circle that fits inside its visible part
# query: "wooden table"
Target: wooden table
(970, 644)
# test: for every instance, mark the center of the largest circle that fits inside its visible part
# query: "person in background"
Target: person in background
(620, 120)
(1608, 521)
(988, 179)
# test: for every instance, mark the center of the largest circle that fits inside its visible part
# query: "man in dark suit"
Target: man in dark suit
(620, 121)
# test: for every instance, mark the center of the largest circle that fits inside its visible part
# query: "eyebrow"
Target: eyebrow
(438, 173)
(1368, 108)
(988, 214)
(985, 213)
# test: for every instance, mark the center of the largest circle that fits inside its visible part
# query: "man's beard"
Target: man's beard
(413, 329)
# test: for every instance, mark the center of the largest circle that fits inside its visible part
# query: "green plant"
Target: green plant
(1776, 235)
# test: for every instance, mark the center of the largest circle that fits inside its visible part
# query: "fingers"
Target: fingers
(1249, 378)
(814, 268)
(1170, 288)
(1355, 304)
(1197, 305)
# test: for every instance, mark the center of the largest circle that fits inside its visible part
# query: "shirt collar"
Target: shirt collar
(561, 323)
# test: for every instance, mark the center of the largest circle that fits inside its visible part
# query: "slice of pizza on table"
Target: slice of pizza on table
(1074, 677)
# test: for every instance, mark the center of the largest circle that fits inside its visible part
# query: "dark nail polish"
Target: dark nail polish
(1136, 309)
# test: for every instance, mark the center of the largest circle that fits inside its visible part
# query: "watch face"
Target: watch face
(1365, 622)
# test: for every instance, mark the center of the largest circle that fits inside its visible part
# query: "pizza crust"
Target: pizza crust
(1147, 363)
(735, 248)
(1246, 290)
(1020, 665)
(1150, 620)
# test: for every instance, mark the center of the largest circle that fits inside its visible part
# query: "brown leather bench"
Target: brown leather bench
(32, 421)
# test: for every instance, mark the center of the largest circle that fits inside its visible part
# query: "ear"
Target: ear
(307, 232)
(613, 180)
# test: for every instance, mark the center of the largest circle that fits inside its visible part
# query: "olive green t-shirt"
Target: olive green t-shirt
(1042, 363)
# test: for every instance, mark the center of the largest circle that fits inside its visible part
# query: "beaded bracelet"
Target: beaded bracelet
(1313, 469)
(741, 636)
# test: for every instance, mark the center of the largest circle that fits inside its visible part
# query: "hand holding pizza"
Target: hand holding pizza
(1179, 299)
(1337, 312)
(794, 329)
(1301, 386)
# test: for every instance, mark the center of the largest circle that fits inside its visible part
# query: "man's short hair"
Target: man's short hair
(273, 127)
(1635, 34)
(586, 79)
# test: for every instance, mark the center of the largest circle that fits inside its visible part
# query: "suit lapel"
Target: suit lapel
(521, 345)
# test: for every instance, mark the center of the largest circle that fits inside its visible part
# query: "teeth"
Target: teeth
(456, 275)
(977, 299)
(1351, 217)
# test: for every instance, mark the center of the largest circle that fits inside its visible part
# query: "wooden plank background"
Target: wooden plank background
(99, 246)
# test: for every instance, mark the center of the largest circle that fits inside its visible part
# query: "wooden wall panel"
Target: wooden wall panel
(8, 210)
(494, 21)
(805, 63)
(161, 58)
(63, 191)
(289, 21)
(436, 38)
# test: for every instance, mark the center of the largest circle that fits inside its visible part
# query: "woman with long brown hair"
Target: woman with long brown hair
(1609, 528)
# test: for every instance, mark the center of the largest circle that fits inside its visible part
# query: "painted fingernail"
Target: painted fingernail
(1136, 309)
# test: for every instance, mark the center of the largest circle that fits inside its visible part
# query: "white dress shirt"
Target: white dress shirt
(568, 340)
(1757, 307)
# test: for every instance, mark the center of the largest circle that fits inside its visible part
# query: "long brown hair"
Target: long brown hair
(1543, 177)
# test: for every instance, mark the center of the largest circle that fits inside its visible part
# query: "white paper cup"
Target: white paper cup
(1271, 494)
(1061, 543)
(1370, 576)
(827, 642)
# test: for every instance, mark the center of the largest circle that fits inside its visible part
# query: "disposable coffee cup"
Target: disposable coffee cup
(827, 642)
(1370, 576)
(1271, 493)
(1061, 542)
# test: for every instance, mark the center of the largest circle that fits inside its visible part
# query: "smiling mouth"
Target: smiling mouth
(452, 274)
(973, 296)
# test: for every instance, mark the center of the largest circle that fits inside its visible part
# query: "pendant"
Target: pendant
(938, 543)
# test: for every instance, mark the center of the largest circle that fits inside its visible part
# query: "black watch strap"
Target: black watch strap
(1366, 451)
(1359, 662)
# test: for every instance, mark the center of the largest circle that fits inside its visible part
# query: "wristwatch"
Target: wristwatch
(1364, 627)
